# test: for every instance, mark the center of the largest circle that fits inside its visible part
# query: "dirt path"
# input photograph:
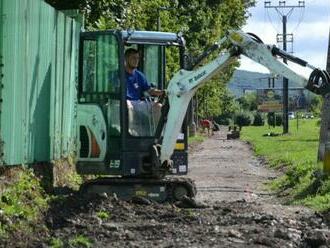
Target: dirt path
(226, 170)
(239, 212)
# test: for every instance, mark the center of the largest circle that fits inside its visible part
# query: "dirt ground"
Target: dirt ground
(237, 211)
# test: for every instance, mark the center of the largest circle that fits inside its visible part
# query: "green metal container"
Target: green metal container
(39, 53)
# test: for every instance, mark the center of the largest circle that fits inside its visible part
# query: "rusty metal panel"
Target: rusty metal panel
(39, 55)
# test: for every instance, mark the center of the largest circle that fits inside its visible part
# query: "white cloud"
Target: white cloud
(315, 58)
(306, 31)
(317, 3)
(313, 30)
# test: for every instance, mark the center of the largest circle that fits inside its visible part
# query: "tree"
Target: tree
(316, 104)
(248, 101)
(243, 119)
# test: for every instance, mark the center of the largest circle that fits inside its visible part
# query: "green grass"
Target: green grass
(198, 138)
(103, 215)
(56, 243)
(296, 155)
(80, 241)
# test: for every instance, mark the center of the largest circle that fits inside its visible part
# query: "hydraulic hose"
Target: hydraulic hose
(283, 54)
(255, 38)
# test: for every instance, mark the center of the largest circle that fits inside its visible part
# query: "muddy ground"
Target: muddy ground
(237, 211)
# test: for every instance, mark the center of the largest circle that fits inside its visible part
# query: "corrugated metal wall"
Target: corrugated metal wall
(40, 48)
(1, 70)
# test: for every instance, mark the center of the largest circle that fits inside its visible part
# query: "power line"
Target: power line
(301, 17)
(285, 11)
(271, 21)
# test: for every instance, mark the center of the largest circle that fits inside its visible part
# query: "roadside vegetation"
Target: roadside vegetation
(198, 138)
(22, 203)
(303, 181)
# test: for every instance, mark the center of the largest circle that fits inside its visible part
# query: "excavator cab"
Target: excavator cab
(116, 135)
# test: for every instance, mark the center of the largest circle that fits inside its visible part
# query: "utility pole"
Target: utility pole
(324, 145)
(287, 11)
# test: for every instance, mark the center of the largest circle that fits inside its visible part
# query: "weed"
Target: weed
(75, 180)
(3, 233)
(190, 213)
(56, 243)
(103, 215)
(80, 241)
(22, 202)
(196, 139)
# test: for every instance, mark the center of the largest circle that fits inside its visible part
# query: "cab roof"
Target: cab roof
(152, 37)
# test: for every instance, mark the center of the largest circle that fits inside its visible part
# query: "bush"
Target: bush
(243, 119)
(223, 120)
(274, 119)
(258, 120)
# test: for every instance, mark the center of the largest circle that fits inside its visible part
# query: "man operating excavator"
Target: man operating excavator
(143, 115)
(136, 81)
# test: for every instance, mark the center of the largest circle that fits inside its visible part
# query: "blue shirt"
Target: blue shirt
(136, 85)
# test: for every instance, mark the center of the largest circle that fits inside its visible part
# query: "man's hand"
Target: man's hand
(156, 92)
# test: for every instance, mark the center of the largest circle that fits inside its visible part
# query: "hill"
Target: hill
(243, 81)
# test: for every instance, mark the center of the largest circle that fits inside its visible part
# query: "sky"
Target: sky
(310, 28)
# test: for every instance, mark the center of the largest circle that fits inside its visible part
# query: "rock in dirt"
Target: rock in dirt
(281, 234)
(188, 202)
(140, 200)
(317, 238)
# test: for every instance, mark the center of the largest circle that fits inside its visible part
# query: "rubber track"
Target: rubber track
(169, 182)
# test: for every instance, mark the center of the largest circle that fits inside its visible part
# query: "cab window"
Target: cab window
(100, 80)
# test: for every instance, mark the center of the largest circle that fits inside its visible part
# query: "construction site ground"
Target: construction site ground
(233, 209)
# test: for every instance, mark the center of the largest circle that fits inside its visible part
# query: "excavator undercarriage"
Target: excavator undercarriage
(169, 189)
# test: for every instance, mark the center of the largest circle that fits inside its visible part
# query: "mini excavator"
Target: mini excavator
(136, 147)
